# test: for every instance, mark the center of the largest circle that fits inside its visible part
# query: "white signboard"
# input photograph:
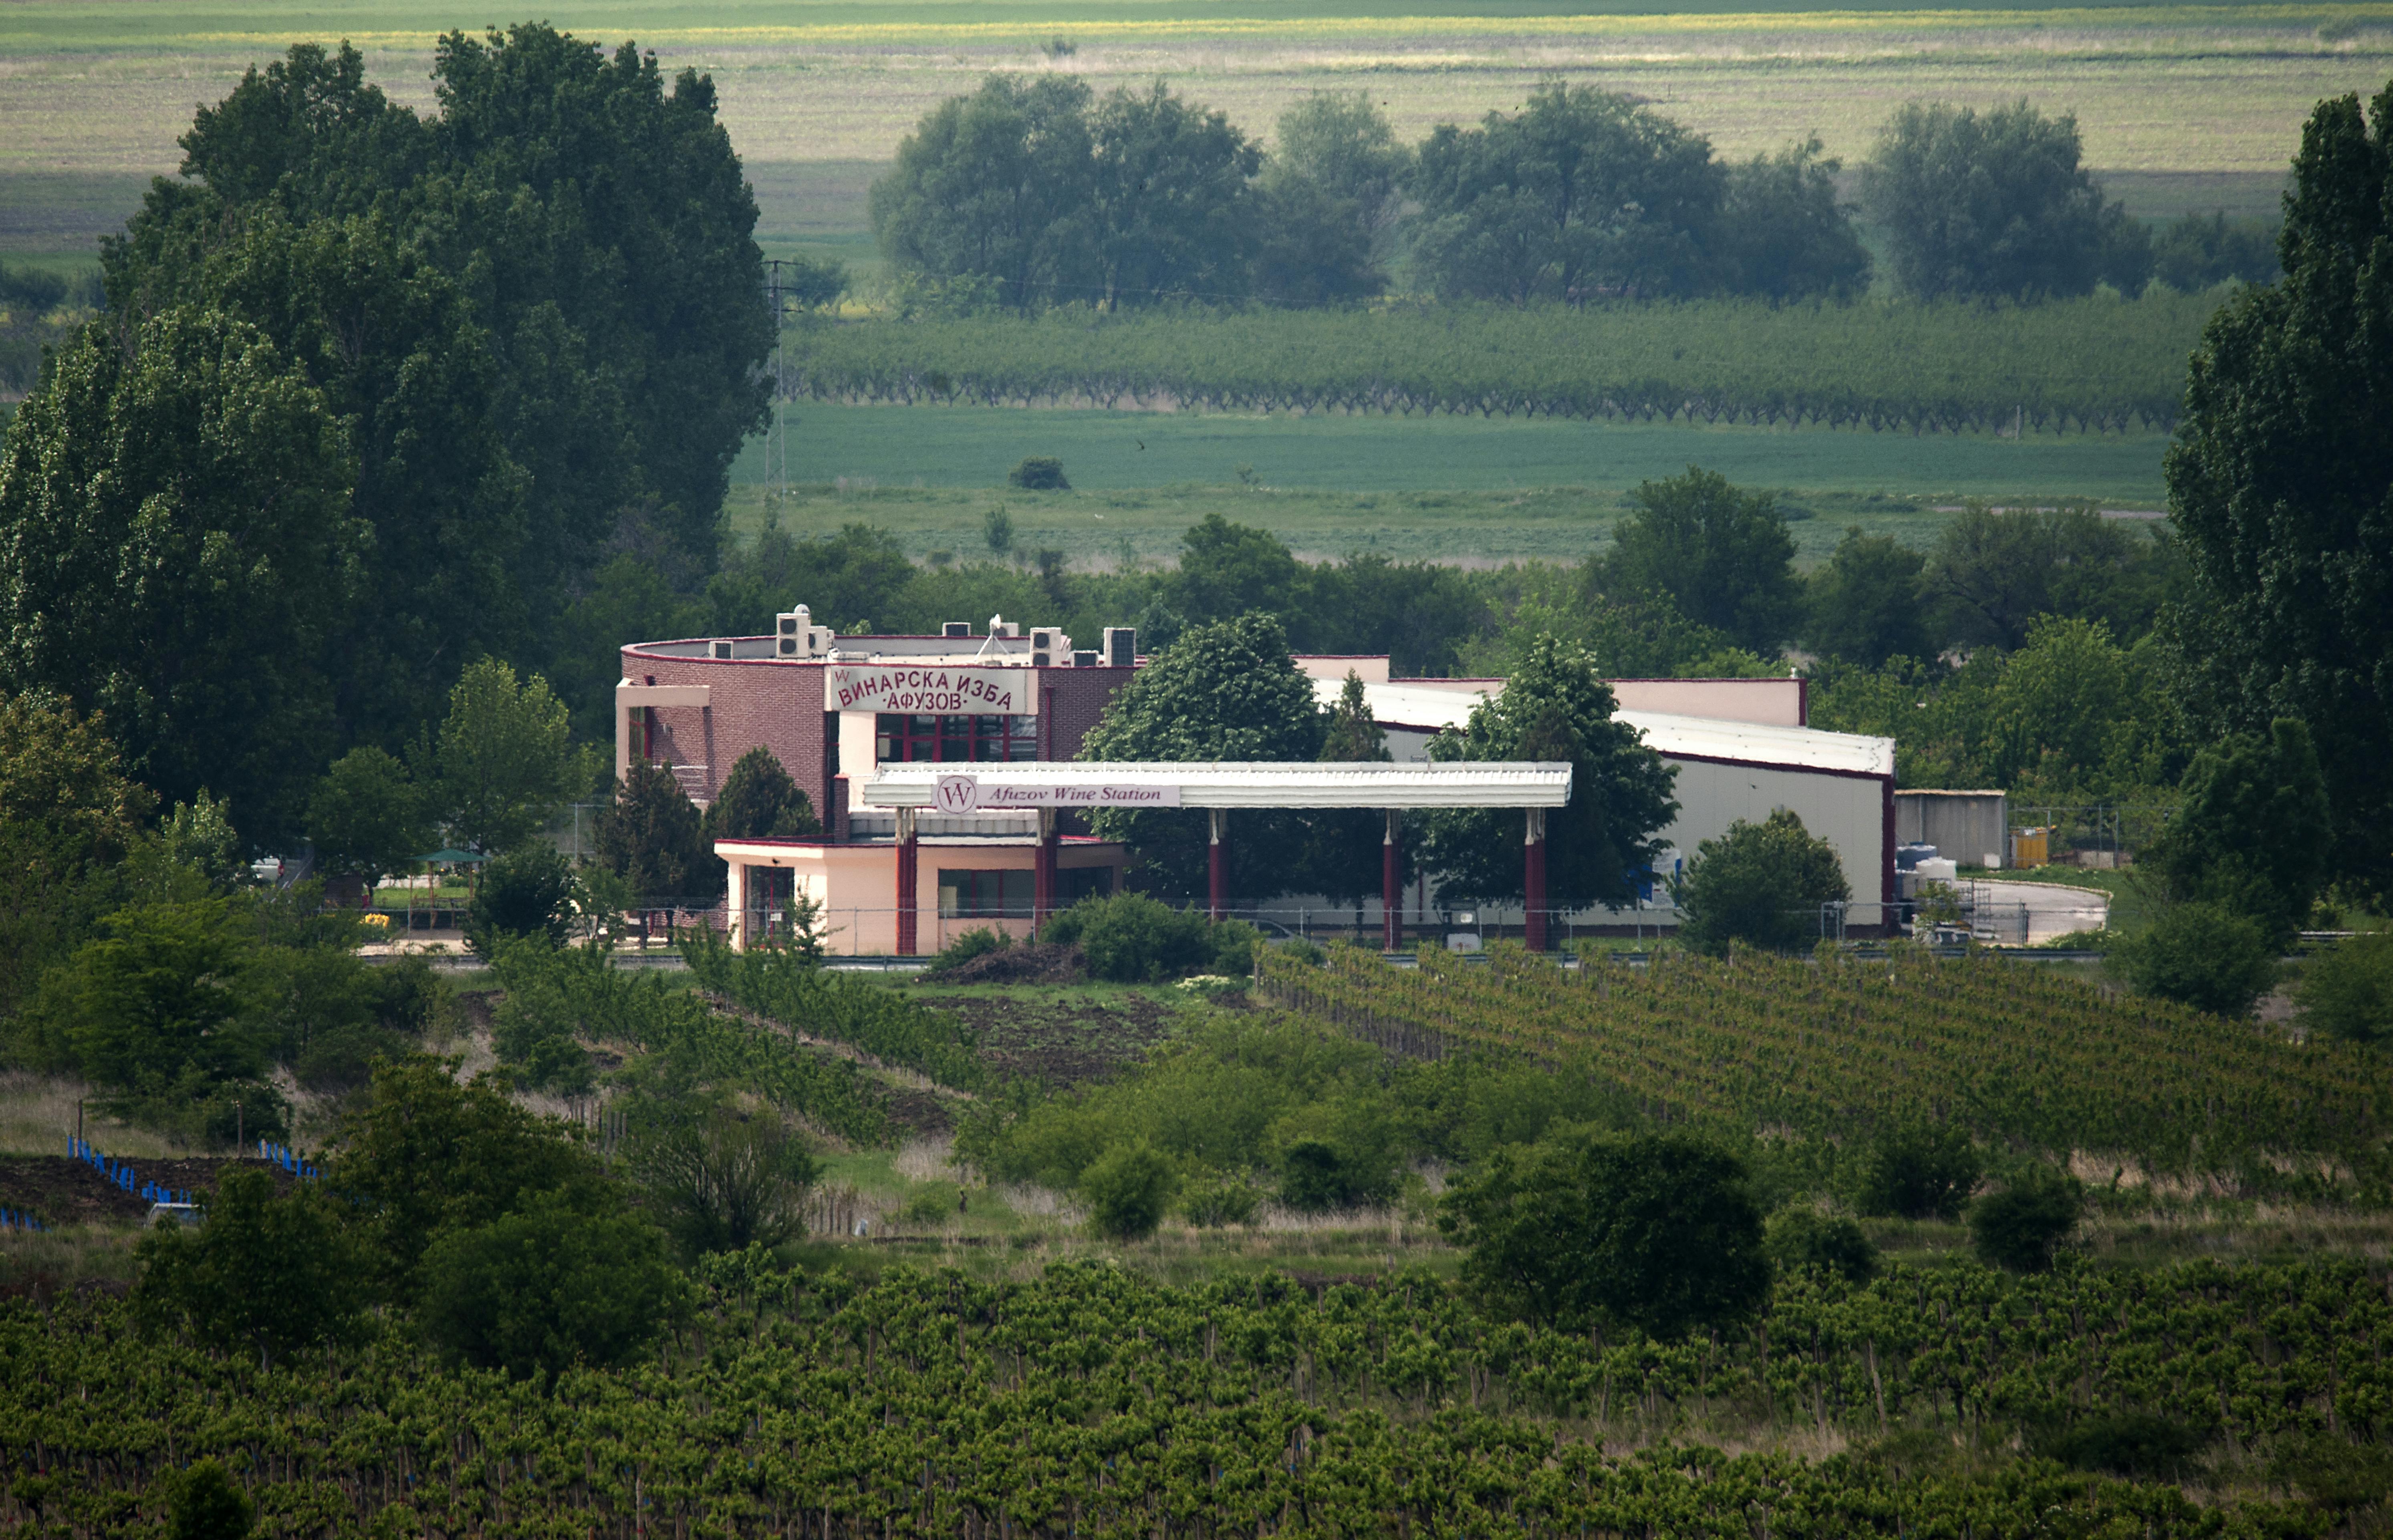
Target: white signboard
(969, 794)
(931, 691)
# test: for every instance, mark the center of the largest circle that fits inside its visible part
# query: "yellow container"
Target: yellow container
(2030, 847)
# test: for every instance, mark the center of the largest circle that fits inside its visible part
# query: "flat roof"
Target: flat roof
(1511, 783)
(1434, 707)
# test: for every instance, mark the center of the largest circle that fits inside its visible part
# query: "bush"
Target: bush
(1313, 1177)
(1918, 1171)
(2137, 1444)
(1039, 473)
(2201, 954)
(1761, 883)
(2019, 1227)
(1127, 1189)
(1656, 1231)
(978, 942)
(932, 1203)
(203, 1504)
(1130, 938)
(550, 1286)
(2348, 992)
(1304, 951)
(525, 893)
(1800, 1238)
(725, 1180)
(265, 1274)
(1215, 1198)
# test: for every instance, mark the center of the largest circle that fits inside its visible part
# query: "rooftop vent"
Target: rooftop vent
(955, 628)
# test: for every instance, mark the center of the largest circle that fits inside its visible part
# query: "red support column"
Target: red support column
(1392, 892)
(1043, 874)
(1534, 875)
(1217, 870)
(907, 938)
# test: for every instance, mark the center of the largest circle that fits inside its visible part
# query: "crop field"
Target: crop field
(1458, 490)
(1827, 1050)
(2203, 104)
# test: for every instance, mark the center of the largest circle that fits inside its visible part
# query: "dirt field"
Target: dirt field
(60, 1191)
(1060, 1037)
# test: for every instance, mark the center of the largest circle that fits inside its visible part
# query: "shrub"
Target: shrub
(1127, 1189)
(1656, 1231)
(265, 1274)
(1918, 1171)
(1234, 943)
(1304, 951)
(932, 1203)
(550, 1286)
(724, 1180)
(2139, 1444)
(1800, 1238)
(1041, 473)
(203, 1504)
(1130, 938)
(2019, 1227)
(2348, 992)
(2201, 954)
(977, 941)
(1312, 1178)
(1214, 1198)
(525, 893)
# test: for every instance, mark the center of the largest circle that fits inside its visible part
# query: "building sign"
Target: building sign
(931, 690)
(969, 794)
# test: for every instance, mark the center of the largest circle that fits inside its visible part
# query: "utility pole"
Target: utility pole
(777, 448)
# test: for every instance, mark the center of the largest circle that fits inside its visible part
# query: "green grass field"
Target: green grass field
(1451, 488)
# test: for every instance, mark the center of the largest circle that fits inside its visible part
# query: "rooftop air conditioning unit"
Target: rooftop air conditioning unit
(955, 628)
(722, 650)
(1050, 647)
(1084, 658)
(796, 635)
(1121, 647)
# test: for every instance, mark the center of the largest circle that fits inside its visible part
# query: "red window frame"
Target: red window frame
(903, 739)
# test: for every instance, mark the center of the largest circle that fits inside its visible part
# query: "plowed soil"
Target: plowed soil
(1062, 1038)
(60, 1191)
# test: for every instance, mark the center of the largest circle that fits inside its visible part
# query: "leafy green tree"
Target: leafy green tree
(1229, 569)
(266, 1275)
(1418, 614)
(726, 1180)
(2019, 1227)
(2195, 254)
(155, 994)
(1866, 604)
(2281, 481)
(527, 893)
(1555, 708)
(366, 817)
(1130, 938)
(1760, 883)
(203, 1504)
(69, 813)
(1993, 573)
(1223, 691)
(1579, 192)
(2348, 991)
(760, 802)
(998, 185)
(1128, 1189)
(548, 1285)
(1655, 1233)
(176, 548)
(1783, 235)
(1917, 1170)
(1330, 199)
(1722, 555)
(630, 598)
(504, 761)
(652, 837)
(2062, 714)
(859, 575)
(1994, 205)
(2253, 832)
(425, 1155)
(2200, 954)
(1171, 190)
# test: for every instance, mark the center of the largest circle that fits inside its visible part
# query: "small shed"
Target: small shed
(1972, 827)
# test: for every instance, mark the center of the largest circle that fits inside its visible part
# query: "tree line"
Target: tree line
(1033, 192)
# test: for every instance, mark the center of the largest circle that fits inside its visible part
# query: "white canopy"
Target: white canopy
(1507, 783)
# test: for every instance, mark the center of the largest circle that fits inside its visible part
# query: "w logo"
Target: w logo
(958, 793)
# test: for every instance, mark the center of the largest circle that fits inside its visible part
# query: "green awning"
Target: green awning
(452, 858)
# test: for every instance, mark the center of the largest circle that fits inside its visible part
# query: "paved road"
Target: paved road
(2033, 913)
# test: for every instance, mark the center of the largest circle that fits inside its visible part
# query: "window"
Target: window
(961, 739)
(1078, 883)
(968, 895)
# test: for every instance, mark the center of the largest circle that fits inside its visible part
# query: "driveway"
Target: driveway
(2028, 913)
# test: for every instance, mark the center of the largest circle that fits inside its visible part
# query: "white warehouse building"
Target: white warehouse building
(1742, 748)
